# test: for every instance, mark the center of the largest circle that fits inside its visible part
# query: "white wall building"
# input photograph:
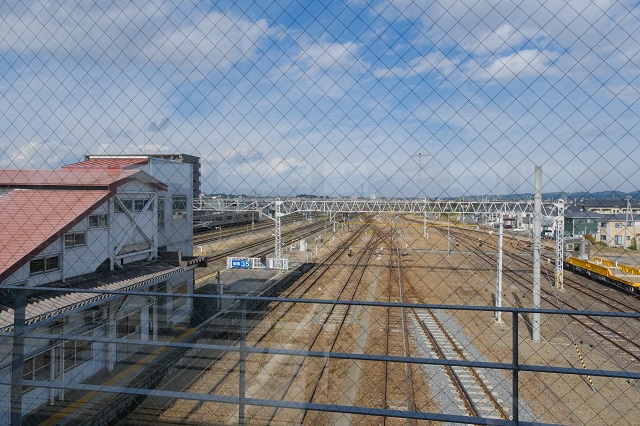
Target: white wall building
(96, 227)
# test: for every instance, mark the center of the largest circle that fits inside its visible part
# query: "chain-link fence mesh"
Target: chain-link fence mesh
(320, 212)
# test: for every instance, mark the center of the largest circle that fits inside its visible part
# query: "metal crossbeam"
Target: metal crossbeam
(378, 206)
(285, 207)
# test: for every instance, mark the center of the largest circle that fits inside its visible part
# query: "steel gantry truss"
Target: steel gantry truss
(276, 209)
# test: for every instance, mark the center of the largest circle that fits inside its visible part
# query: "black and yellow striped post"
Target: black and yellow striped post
(584, 366)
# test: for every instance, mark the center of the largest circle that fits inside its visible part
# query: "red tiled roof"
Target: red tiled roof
(32, 219)
(44, 204)
(107, 163)
(108, 178)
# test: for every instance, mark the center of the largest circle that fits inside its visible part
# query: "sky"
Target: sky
(396, 98)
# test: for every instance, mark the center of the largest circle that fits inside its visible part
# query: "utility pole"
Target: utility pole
(559, 264)
(537, 229)
(498, 314)
(626, 221)
(421, 189)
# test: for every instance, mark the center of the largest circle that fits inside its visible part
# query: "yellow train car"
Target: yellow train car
(612, 273)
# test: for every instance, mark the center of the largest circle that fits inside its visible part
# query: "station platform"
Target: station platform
(147, 367)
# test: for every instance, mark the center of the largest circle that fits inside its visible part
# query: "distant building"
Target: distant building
(618, 222)
(101, 225)
(618, 230)
(579, 221)
(609, 206)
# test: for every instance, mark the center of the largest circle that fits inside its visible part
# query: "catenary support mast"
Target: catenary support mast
(537, 230)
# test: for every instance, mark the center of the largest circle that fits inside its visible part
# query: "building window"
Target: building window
(179, 207)
(618, 225)
(179, 301)
(161, 213)
(618, 239)
(44, 264)
(37, 367)
(127, 326)
(98, 220)
(140, 203)
(76, 352)
(75, 239)
(133, 204)
(128, 204)
(603, 237)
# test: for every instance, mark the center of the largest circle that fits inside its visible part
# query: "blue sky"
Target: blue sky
(331, 97)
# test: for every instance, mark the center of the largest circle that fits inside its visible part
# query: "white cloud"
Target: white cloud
(37, 154)
(324, 55)
(217, 40)
(499, 39)
(125, 32)
(433, 62)
(242, 155)
(284, 166)
(522, 64)
(104, 76)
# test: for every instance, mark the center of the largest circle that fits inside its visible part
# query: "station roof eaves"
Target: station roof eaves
(48, 304)
(74, 178)
(107, 163)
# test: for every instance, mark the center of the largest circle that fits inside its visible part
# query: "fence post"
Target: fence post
(516, 369)
(17, 354)
(243, 361)
(219, 291)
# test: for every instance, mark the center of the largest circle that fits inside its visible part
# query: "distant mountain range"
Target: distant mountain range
(567, 196)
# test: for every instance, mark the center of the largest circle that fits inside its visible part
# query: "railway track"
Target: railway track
(223, 367)
(602, 330)
(222, 233)
(471, 391)
(399, 385)
(598, 295)
(256, 248)
(314, 378)
(460, 390)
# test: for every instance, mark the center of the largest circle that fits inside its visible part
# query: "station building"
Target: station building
(179, 158)
(69, 239)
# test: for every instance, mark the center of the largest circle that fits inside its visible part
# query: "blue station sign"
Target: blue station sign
(241, 263)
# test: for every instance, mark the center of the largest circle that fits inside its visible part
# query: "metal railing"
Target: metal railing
(121, 397)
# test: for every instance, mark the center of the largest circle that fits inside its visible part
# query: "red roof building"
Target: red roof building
(39, 206)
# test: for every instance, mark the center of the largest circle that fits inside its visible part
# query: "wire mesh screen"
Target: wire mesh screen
(324, 212)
